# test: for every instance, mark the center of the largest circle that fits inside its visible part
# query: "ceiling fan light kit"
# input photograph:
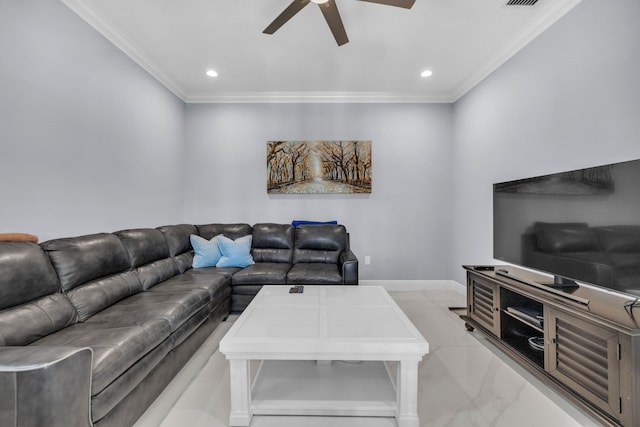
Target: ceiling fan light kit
(331, 15)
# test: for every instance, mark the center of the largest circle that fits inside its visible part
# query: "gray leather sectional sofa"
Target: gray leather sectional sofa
(93, 328)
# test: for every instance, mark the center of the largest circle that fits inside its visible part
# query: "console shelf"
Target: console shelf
(581, 341)
(521, 345)
(524, 322)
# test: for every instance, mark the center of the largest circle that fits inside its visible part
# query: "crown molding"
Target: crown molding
(317, 97)
(101, 24)
(552, 12)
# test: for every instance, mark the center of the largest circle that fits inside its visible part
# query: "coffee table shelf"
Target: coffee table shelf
(305, 387)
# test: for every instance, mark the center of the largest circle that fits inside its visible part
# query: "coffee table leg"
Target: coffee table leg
(240, 414)
(407, 399)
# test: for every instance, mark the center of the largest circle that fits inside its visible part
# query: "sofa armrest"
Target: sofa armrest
(349, 267)
(45, 386)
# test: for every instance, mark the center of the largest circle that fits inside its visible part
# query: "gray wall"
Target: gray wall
(89, 141)
(570, 99)
(403, 224)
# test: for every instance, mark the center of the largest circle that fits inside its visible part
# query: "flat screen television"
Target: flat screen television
(579, 226)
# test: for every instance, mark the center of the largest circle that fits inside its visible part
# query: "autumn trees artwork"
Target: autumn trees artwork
(311, 167)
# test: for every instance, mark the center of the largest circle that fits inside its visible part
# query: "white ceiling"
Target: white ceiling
(176, 41)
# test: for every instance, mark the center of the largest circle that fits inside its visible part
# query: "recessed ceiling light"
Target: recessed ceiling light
(212, 73)
(426, 73)
(319, 1)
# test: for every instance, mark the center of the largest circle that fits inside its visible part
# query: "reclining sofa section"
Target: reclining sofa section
(93, 328)
(285, 255)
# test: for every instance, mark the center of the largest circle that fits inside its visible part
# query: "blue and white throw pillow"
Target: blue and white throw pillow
(235, 253)
(207, 253)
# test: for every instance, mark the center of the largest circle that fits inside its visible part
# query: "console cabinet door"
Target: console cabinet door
(484, 303)
(585, 357)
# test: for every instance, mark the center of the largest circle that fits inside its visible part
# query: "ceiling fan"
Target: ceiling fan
(331, 15)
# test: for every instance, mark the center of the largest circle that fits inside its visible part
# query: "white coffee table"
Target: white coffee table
(327, 351)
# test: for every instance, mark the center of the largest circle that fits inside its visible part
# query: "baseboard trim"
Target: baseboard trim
(416, 285)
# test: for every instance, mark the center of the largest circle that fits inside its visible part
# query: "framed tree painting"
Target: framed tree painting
(318, 167)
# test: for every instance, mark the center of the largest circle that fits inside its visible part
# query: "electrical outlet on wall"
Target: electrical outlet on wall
(367, 260)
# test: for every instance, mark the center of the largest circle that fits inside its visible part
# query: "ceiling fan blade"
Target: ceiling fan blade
(398, 3)
(332, 16)
(295, 7)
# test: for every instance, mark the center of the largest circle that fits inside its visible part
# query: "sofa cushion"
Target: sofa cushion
(23, 324)
(177, 237)
(228, 271)
(565, 237)
(157, 272)
(263, 273)
(174, 308)
(314, 273)
(26, 275)
(216, 284)
(206, 252)
(115, 348)
(232, 231)
(80, 259)
(185, 330)
(235, 253)
(159, 312)
(184, 261)
(272, 243)
(180, 249)
(319, 243)
(99, 294)
(149, 254)
(144, 245)
(104, 401)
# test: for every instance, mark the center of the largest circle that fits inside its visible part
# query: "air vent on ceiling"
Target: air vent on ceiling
(521, 2)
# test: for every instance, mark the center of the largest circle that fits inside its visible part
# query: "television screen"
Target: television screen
(581, 225)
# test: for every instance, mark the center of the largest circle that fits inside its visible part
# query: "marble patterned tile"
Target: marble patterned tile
(209, 391)
(463, 382)
(177, 395)
(446, 299)
(438, 327)
(412, 299)
(467, 366)
(526, 407)
(442, 401)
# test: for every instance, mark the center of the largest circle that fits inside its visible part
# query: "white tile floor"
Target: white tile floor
(464, 381)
